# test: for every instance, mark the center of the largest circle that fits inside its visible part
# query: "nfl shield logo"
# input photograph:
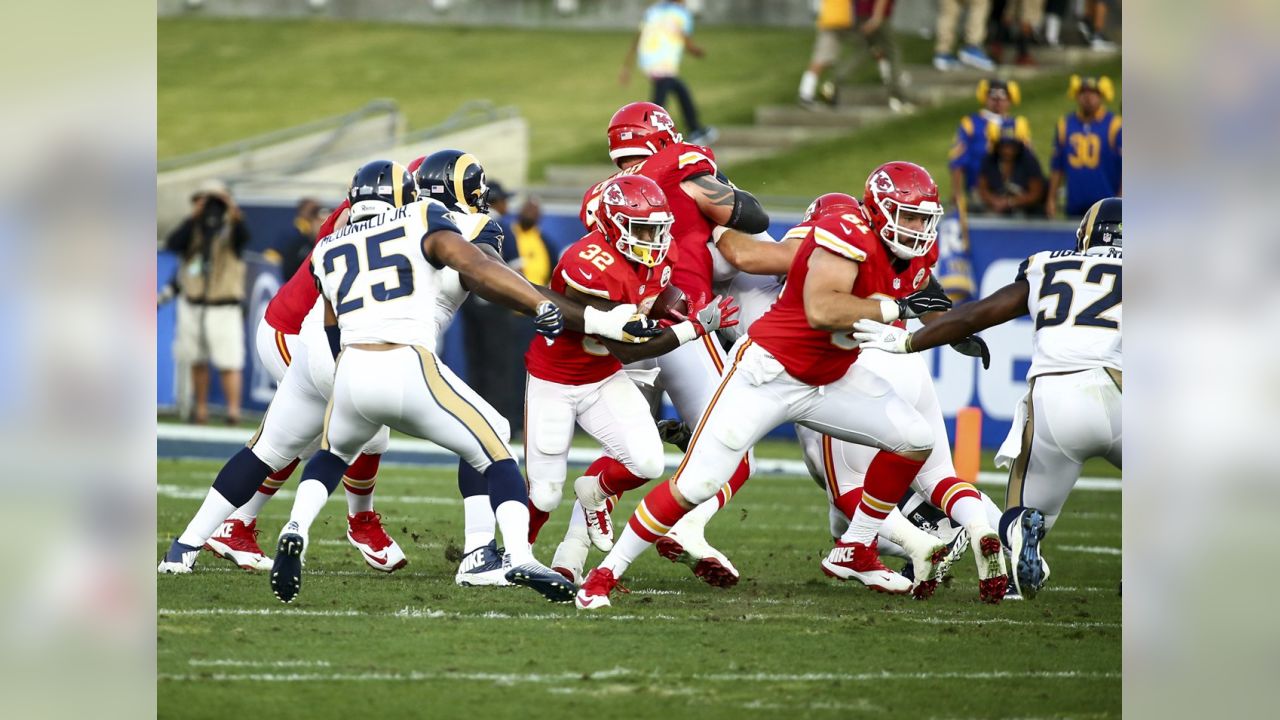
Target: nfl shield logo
(897, 283)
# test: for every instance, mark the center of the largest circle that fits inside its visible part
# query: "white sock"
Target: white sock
(1052, 28)
(993, 511)
(626, 548)
(477, 522)
(700, 515)
(862, 528)
(808, 84)
(513, 519)
(249, 511)
(577, 524)
(307, 504)
(969, 511)
(212, 513)
(572, 552)
(357, 503)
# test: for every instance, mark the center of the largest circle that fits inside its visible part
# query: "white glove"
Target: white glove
(878, 336)
(623, 323)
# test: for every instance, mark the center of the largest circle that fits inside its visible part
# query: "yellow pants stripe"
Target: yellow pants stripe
(457, 406)
(710, 343)
(829, 466)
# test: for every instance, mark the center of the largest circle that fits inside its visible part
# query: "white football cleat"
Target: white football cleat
(595, 507)
(988, 553)
(380, 552)
(179, 560)
(684, 543)
(856, 561)
(483, 566)
(237, 542)
(927, 556)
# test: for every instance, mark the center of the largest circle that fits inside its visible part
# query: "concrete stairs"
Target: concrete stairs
(779, 128)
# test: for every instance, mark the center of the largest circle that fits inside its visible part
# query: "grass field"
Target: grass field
(785, 642)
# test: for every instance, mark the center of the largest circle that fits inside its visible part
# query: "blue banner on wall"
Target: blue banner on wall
(996, 251)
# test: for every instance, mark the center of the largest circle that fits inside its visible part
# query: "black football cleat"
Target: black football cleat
(543, 580)
(286, 571)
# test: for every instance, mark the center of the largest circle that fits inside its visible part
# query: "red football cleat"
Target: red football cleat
(237, 541)
(593, 594)
(855, 561)
(365, 532)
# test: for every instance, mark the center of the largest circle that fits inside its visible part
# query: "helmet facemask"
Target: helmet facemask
(644, 240)
(906, 242)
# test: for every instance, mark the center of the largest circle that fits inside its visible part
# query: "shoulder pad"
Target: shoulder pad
(846, 235)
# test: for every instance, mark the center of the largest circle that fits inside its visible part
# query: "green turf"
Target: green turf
(224, 80)
(786, 642)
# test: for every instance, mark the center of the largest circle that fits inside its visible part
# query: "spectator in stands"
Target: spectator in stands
(1015, 22)
(211, 277)
(836, 22)
(1012, 182)
(975, 36)
(665, 34)
(534, 255)
(975, 135)
(1092, 24)
(294, 245)
(1087, 149)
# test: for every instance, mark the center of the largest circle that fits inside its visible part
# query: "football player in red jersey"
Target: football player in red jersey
(716, 226)
(577, 377)
(797, 363)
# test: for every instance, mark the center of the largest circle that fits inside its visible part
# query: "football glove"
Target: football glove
(974, 346)
(719, 312)
(623, 323)
(548, 321)
(878, 336)
(928, 299)
(674, 432)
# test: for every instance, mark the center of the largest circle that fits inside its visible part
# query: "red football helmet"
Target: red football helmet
(831, 203)
(634, 217)
(898, 192)
(640, 129)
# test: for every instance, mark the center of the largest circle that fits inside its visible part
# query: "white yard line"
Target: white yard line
(228, 662)
(624, 673)
(1088, 549)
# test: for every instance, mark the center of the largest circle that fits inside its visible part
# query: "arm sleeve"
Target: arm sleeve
(180, 239)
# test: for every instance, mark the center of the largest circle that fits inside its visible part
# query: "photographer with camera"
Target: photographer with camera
(210, 287)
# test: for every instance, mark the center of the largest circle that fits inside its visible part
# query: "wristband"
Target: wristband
(685, 331)
(889, 311)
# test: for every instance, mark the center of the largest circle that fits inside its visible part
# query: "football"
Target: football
(670, 305)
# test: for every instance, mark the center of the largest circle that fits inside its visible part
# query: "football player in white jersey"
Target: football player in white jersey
(1075, 382)
(457, 179)
(379, 279)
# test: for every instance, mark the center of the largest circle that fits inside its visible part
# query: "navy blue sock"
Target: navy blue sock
(471, 482)
(506, 484)
(240, 478)
(325, 467)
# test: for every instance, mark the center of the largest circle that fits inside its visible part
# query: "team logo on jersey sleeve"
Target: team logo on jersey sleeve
(919, 279)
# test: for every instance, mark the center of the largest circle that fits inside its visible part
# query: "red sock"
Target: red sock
(537, 518)
(736, 481)
(656, 513)
(615, 478)
(361, 476)
(888, 477)
(848, 502)
(950, 491)
(283, 473)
